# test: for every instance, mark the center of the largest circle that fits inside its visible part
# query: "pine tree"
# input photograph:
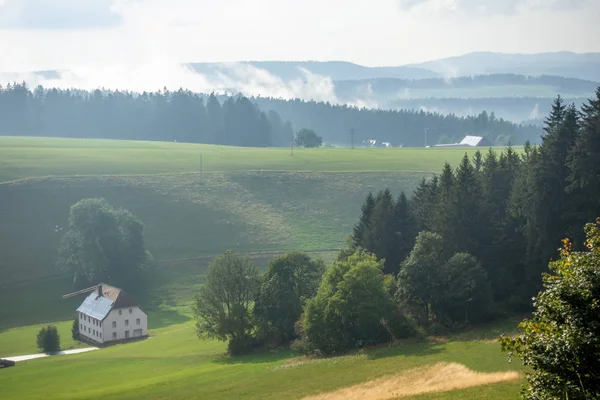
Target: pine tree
(405, 233)
(359, 234)
(556, 116)
(443, 220)
(468, 209)
(381, 233)
(423, 202)
(583, 181)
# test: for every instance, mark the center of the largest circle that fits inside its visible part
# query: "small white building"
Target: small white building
(108, 314)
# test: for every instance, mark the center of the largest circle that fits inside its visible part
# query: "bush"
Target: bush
(48, 339)
(75, 329)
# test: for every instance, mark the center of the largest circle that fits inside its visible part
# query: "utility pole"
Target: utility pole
(201, 178)
(292, 145)
(426, 129)
(352, 132)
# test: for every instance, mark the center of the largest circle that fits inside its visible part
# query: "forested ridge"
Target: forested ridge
(508, 211)
(469, 245)
(229, 120)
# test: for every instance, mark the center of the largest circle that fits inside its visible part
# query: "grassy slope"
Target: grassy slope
(239, 205)
(234, 208)
(175, 364)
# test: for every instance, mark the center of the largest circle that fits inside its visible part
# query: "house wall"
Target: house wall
(128, 315)
(91, 328)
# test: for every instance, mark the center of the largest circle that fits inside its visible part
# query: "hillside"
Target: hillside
(249, 200)
(571, 65)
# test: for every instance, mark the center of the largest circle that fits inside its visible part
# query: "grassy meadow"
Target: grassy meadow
(259, 202)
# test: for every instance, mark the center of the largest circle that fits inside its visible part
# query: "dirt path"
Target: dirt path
(58, 353)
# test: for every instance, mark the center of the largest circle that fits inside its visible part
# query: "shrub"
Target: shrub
(48, 339)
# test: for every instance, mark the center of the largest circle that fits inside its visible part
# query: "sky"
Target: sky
(151, 37)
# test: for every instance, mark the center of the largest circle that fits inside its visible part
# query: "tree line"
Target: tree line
(467, 246)
(229, 120)
(163, 116)
(399, 127)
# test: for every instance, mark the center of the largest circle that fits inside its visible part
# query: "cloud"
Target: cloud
(229, 78)
(57, 14)
(490, 7)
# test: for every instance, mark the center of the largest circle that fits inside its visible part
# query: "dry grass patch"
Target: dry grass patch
(441, 377)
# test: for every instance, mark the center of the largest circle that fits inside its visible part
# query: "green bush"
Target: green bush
(48, 339)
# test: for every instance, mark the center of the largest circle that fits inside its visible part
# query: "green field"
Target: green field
(255, 201)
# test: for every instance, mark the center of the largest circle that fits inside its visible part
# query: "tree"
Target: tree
(222, 308)
(420, 280)
(308, 138)
(289, 281)
(103, 243)
(405, 231)
(466, 294)
(352, 307)
(75, 329)
(380, 236)
(361, 229)
(48, 339)
(561, 342)
(583, 181)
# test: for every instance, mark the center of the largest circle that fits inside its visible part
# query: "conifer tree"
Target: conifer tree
(404, 235)
(443, 219)
(583, 181)
(381, 233)
(359, 234)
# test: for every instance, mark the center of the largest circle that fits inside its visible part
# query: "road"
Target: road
(58, 353)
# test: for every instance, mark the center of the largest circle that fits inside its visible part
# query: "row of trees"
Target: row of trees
(399, 127)
(188, 117)
(464, 247)
(166, 116)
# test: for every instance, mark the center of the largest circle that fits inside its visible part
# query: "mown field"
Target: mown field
(248, 200)
(258, 202)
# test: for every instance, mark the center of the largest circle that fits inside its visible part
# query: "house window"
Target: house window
(130, 311)
(81, 326)
(126, 322)
(120, 312)
(114, 335)
(126, 334)
(114, 324)
(137, 321)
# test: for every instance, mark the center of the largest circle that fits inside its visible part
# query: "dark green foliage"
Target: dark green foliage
(584, 167)
(386, 228)
(75, 329)
(420, 280)
(103, 243)
(561, 342)
(466, 290)
(556, 116)
(361, 229)
(352, 308)
(48, 339)
(222, 308)
(423, 203)
(443, 218)
(185, 116)
(308, 138)
(289, 281)
(404, 234)
(468, 211)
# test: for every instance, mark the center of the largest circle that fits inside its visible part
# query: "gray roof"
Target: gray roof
(472, 140)
(96, 306)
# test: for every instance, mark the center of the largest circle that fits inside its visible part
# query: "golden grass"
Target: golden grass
(441, 377)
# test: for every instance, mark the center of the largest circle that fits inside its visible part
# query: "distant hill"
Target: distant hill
(336, 70)
(567, 64)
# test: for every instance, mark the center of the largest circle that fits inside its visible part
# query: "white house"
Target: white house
(108, 314)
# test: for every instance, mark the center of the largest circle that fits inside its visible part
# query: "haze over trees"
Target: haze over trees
(258, 122)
